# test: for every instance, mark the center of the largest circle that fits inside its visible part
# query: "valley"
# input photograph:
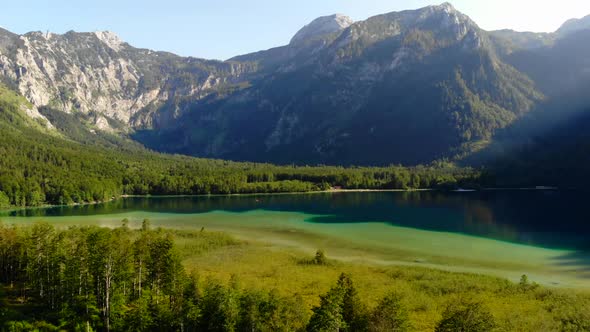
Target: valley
(368, 175)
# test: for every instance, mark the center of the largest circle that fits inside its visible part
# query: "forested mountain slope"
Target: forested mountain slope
(549, 145)
(71, 162)
(407, 87)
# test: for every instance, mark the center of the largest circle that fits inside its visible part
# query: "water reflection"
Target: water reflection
(578, 262)
(549, 219)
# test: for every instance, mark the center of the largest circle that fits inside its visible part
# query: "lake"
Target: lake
(544, 234)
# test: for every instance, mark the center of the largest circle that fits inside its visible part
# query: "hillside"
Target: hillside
(408, 87)
(72, 162)
(100, 75)
(548, 145)
(341, 92)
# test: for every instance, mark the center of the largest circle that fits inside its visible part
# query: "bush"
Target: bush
(466, 317)
(390, 315)
(320, 258)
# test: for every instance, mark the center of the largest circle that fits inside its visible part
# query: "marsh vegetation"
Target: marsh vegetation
(119, 279)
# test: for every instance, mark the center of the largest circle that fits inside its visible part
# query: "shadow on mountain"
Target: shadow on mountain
(545, 138)
(546, 147)
(352, 106)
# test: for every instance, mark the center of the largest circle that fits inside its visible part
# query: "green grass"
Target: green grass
(431, 270)
(427, 292)
(376, 243)
(285, 268)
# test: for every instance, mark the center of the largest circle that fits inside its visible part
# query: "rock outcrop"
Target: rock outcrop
(99, 73)
(322, 26)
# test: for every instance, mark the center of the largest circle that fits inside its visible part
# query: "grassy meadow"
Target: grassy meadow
(426, 292)
(430, 271)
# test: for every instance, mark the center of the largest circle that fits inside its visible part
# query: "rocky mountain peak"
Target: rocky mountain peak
(3, 31)
(322, 26)
(574, 25)
(110, 38)
(441, 24)
(6, 39)
(446, 6)
(445, 16)
(445, 10)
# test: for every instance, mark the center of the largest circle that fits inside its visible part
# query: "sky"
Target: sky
(220, 29)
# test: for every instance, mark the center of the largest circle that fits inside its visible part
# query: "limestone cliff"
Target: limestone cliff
(99, 74)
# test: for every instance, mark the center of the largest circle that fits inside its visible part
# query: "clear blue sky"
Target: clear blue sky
(223, 28)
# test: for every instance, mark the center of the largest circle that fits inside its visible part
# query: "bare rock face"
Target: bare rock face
(322, 26)
(33, 113)
(97, 72)
(110, 39)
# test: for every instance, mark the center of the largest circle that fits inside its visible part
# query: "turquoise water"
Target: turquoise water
(548, 219)
(504, 233)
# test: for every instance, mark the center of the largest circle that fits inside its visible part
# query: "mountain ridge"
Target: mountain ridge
(97, 72)
(352, 69)
(338, 91)
(574, 24)
(322, 26)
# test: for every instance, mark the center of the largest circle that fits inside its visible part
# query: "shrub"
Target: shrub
(320, 258)
(466, 317)
(390, 315)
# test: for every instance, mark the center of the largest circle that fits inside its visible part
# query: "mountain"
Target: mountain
(404, 87)
(574, 25)
(510, 41)
(306, 43)
(98, 74)
(549, 144)
(70, 163)
(322, 26)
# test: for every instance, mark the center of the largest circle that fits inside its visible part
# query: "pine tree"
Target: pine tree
(390, 315)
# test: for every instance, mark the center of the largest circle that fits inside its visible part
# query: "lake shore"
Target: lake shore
(286, 193)
(350, 191)
(329, 191)
(459, 190)
(370, 243)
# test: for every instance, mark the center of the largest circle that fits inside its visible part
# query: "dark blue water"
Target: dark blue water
(549, 219)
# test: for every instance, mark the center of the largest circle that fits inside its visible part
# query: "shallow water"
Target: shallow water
(542, 234)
